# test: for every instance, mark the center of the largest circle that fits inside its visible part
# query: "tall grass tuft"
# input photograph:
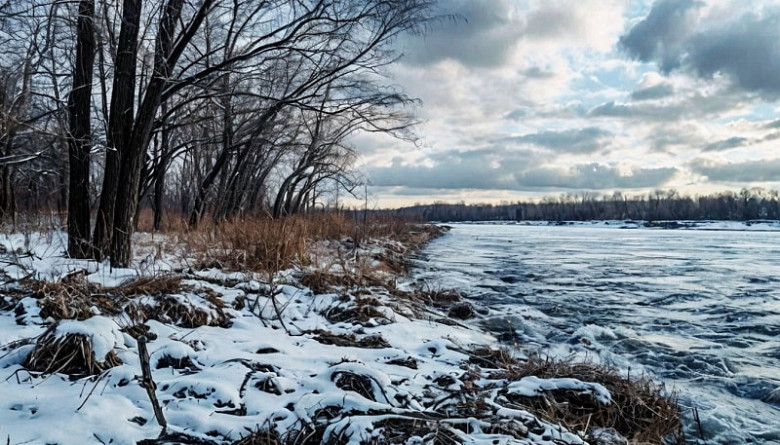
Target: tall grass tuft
(269, 245)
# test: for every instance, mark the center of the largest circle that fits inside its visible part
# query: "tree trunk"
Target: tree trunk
(132, 162)
(6, 192)
(79, 144)
(120, 124)
(161, 166)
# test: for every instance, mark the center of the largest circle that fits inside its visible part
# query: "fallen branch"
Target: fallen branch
(148, 383)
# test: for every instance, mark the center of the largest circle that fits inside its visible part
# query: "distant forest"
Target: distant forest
(747, 204)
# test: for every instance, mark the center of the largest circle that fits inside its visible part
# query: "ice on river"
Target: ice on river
(698, 310)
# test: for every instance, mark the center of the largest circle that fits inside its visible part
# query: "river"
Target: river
(696, 310)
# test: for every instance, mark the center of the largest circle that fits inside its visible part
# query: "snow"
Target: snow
(231, 380)
(532, 386)
(103, 333)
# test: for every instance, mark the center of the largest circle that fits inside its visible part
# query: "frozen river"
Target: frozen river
(698, 310)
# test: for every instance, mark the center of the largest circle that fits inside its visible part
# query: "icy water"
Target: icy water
(697, 310)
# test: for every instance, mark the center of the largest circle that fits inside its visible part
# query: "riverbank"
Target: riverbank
(311, 337)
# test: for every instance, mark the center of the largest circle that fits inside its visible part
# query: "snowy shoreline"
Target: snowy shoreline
(237, 355)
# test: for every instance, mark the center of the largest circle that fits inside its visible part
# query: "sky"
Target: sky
(524, 99)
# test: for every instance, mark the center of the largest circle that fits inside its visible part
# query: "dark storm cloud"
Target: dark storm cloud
(659, 36)
(745, 48)
(585, 140)
(480, 34)
(654, 92)
(751, 171)
(732, 142)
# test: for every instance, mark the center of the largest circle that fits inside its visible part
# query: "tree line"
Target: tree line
(659, 205)
(215, 108)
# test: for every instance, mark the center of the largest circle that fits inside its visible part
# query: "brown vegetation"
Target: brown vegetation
(77, 299)
(640, 410)
(268, 245)
(350, 340)
(70, 354)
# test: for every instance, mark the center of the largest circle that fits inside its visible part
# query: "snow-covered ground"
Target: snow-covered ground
(286, 362)
(697, 308)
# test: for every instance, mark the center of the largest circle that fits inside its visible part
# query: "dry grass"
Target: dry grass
(322, 281)
(268, 245)
(350, 381)
(160, 285)
(350, 340)
(179, 310)
(262, 437)
(263, 245)
(357, 309)
(70, 354)
(78, 299)
(157, 298)
(70, 301)
(420, 300)
(640, 411)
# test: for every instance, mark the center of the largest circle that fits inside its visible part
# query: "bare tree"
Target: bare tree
(30, 120)
(80, 130)
(333, 43)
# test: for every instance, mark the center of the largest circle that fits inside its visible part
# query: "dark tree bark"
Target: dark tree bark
(168, 48)
(160, 168)
(79, 142)
(120, 124)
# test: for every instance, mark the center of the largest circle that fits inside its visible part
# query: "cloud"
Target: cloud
(726, 144)
(652, 93)
(536, 73)
(747, 50)
(585, 140)
(612, 109)
(743, 45)
(480, 34)
(675, 137)
(773, 124)
(496, 33)
(483, 169)
(749, 171)
(597, 177)
(514, 170)
(550, 22)
(659, 36)
(696, 101)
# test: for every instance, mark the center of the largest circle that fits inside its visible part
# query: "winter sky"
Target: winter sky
(524, 99)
